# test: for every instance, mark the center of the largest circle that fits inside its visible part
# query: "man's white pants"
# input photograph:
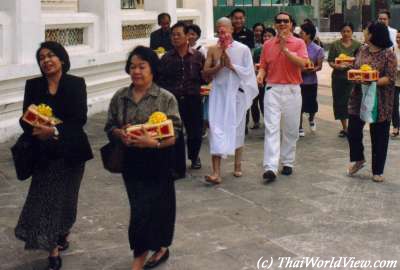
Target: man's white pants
(281, 102)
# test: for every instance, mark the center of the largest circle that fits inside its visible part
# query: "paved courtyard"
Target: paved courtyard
(316, 212)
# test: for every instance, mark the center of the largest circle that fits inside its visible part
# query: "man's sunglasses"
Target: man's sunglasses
(279, 21)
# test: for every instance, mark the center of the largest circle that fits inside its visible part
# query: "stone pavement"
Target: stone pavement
(318, 211)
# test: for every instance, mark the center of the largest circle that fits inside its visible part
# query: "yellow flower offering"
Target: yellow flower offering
(365, 68)
(159, 50)
(157, 118)
(343, 56)
(45, 110)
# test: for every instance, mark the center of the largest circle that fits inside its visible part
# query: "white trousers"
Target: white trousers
(282, 108)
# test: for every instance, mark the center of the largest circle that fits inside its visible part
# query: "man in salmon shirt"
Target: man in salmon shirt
(281, 63)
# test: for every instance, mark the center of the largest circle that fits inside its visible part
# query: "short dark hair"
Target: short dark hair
(257, 25)
(347, 24)
(58, 50)
(236, 10)
(287, 14)
(195, 28)
(270, 30)
(146, 54)
(307, 20)
(384, 11)
(309, 29)
(380, 35)
(180, 24)
(161, 16)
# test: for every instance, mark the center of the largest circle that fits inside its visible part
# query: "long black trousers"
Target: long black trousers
(379, 142)
(191, 111)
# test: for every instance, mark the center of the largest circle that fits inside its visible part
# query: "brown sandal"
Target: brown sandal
(212, 179)
(354, 168)
(378, 178)
(238, 170)
(237, 173)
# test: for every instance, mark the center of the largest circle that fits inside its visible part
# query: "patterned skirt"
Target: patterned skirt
(50, 208)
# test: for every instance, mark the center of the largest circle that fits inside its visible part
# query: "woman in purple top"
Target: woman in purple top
(310, 82)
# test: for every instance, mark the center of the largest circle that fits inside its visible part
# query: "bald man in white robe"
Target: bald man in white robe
(234, 86)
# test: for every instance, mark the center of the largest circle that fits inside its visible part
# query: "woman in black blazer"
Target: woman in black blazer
(62, 150)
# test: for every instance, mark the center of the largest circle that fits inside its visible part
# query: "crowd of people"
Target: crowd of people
(258, 72)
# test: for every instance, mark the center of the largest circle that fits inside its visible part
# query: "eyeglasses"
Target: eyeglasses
(279, 21)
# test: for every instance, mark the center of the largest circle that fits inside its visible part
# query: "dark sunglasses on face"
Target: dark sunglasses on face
(279, 21)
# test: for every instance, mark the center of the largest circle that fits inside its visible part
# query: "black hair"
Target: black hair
(347, 24)
(385, 11)
(307, 20)
(270, 30)
(380, 35)
(258, 24)
(58, 50)
(236, 10)
(146, 54)
(195, 28)
(180, 24)
(161, 16)
(309, 29)
(287, 14)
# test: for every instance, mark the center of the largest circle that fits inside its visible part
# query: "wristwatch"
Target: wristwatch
(56, 133)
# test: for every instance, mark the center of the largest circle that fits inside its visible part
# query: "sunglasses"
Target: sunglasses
(279, 21)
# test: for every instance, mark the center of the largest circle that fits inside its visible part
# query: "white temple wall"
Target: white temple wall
(97, 35)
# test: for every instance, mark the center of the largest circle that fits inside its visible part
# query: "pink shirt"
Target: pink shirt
(278, 67)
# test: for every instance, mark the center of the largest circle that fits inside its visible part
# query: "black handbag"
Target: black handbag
(23, 156)
(112, 154)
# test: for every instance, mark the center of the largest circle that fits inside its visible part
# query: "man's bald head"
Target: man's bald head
(225, 23)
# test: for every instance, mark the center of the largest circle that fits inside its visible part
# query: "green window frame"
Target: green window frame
(222, 3)
(128, 4)
(244, 3)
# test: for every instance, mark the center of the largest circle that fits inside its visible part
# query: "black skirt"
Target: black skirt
(309, 97)
(51, 205)
(148, 180)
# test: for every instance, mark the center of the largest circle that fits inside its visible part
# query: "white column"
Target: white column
(168, 6)
(28, 31)
(206, 15)
(110, 24)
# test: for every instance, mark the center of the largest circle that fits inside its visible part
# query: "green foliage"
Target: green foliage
(327, 8)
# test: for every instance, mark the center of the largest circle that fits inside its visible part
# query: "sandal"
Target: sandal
(237, 173)
(354, 168)
(395, 134)
(342, 134)
(238, 170)
(215, 180)
(378, 178)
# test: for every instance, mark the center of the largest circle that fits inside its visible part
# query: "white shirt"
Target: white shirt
(393, 34)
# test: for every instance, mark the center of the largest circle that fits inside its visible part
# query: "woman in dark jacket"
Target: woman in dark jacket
(62, 150)
(147, 168)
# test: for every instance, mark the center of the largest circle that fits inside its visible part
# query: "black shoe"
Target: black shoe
(256, 126)
(55, 263)
(152, 264)
(286, 170)
(342, 134)
(269, 176)
(63, 243)
(196, 164)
